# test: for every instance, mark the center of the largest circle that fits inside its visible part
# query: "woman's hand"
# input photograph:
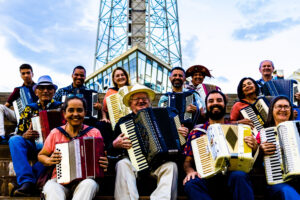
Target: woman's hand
(122, 142)
(103, 162)
(268, 148)
(54, 159)
(247, 122)
(191, 108)
(183, 130)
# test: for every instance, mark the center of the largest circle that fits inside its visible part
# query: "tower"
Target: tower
(150, 24)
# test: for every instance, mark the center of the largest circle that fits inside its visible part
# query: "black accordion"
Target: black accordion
(284, 87)
(154, 137)
(180, 101)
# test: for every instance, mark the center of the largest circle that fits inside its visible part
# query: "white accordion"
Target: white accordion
(285, 163)
(116, 108)
(222, 148)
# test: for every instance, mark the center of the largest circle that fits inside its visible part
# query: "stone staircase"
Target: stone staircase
(145, 186)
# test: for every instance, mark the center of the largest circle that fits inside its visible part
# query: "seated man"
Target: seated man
(22, 146)
(236, 182)
(138, 98)
(5, 111)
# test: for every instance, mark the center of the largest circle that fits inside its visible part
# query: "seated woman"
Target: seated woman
(120, 78)
(280, 111)
(247, 92)
(74, 111)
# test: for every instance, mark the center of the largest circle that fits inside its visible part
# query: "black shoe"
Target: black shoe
(25, 190)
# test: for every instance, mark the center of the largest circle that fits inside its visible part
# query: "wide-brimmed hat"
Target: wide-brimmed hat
(136, 89)
(44, 80)
(197, 68)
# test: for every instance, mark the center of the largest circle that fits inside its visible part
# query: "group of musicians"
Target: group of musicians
(205, 108)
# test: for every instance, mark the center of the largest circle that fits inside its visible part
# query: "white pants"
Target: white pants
(10, 116)
(86, 189)
(125, 185)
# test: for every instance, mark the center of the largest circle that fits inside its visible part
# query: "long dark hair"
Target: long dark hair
(124, 71)
(240, 92)
(270, 120)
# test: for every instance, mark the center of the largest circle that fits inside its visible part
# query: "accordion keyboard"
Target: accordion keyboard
(136, 156)
(272, 162)
(203, 158)
(249, 113)
(113, 109)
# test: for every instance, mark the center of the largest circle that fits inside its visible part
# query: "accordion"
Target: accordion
(285, 163)
(257, 113)
(20, 104)
(222, 148)
(116, 108)
(203, 89)
(80, 159)
(154, 137)
(284, 87)
(45, 122)
(180, 101)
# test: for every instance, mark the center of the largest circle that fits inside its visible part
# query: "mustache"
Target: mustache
(215, 106)
(177, 84)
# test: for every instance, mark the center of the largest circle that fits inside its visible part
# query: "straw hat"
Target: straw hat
(136, 89)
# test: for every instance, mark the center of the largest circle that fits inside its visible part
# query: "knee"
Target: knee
(236, 175)
(123, 164)
(89, 183)
(2, 108)
(193, 183)
(51, 186)
(171, 167)
(16, 139)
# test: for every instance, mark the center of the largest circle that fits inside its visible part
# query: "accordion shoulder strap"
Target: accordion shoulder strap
(81, 133)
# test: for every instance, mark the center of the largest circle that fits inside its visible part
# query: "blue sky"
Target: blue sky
(229, 37)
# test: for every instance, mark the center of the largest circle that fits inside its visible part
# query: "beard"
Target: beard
(178, 83)
(216, 115)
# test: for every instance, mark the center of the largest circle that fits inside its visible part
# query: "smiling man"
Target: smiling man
(177, 99)
(138, 98)
(22, 146)
(266, 69)
(236, 182)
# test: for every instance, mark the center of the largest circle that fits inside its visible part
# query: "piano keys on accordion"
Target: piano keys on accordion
(80, 159)
(154, 137)
(116, 108)
(20, 104)
(222, 148)
(284, 165)
(257, 113)
(45, 122)
(281, 87)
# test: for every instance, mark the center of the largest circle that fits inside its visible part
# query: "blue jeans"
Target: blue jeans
(21, 151)
(284, 191)
(236, 185)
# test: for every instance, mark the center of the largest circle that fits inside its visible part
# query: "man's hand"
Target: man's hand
(297, 96)
(191, 175)
(183, 130)
(31, 134)
(122, 142)
(191, 108)
(251, 142)
(268, 148)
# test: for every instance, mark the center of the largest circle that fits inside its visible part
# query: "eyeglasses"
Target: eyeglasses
(43, 87)
(140, 98)
(281, 107)
(75, 95)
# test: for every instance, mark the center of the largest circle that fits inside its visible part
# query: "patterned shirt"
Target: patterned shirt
(195, 133)
(32, 110)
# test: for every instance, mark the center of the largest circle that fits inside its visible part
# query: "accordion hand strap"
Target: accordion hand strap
(81, 133)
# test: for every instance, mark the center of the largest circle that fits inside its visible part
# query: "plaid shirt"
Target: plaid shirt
(67, 90)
